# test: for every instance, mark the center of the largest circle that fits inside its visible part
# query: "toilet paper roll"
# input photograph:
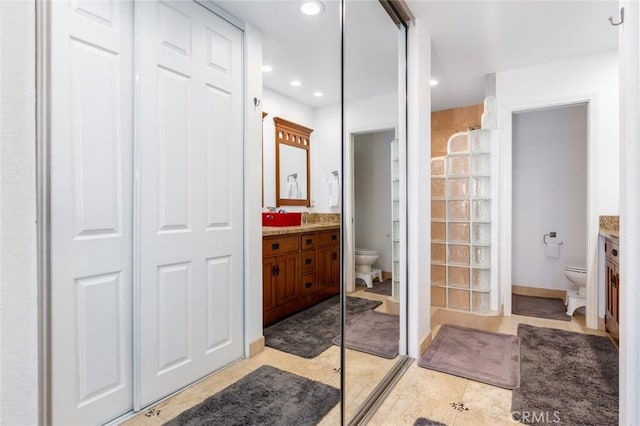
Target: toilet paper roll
(553, 250)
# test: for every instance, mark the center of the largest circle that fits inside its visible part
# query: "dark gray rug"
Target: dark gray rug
(483, 356)
(383, 288)
(309, 333)
(571, 376)
(375, 333)
(539, 307)
(423, 421)
(266, 396)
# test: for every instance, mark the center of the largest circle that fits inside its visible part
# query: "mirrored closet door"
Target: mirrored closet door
(374, 205)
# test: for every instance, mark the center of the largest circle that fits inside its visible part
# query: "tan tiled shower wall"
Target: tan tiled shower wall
(449, 121)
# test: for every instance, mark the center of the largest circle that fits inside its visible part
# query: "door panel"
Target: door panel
(190, 195)
(287, 277)
(91, 227)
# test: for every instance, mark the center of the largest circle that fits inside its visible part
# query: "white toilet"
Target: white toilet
(576, 298)
(365, 259)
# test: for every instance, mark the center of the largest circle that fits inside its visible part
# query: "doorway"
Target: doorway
(550, 202)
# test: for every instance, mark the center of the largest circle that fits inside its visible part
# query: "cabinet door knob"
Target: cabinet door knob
(309, 241)
(614, 252)
(307, 261)
(334, 237)
(275, 246)
(308, 285)
(334, 255)
(273, 270)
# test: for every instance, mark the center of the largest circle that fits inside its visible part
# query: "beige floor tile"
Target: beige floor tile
(493, 401)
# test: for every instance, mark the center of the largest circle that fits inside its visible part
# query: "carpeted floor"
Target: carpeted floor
(375, 333)
(309, 333)
(483, 356)
(539, 307)
(568, 376)
(266, 396)
(383, 288)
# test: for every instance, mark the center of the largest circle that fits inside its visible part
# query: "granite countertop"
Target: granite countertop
(610, 227)
(308, 227)
(612, 234)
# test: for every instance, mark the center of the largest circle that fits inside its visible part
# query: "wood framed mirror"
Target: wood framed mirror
(293, 179)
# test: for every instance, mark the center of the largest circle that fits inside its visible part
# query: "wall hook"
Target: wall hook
(615, 24)
(256, 102)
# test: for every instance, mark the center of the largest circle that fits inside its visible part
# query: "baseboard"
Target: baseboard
(548, 293)
(488, 322)
(386, 275)
(602, 326)
(256, 347)
(424, 345)
(392, 306)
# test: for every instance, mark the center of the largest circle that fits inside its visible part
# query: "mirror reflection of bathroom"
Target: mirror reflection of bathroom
(301, 151)
(549, 190)
(373, 167)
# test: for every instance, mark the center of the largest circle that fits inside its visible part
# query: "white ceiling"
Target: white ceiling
(469, 40)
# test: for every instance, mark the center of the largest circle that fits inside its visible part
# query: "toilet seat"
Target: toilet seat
(367, 252)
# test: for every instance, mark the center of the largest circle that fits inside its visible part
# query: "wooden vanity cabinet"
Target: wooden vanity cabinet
(612, 314)
(298, 271)
(329, 262)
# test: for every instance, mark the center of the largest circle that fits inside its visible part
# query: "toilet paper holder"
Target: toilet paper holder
(550, 235)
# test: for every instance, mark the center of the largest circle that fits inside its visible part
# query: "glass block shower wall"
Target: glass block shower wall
(461, 223)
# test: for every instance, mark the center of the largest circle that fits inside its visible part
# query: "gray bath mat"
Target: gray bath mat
(309, 333)
(540, 307)
(266, 396)
(374, 333)
(383, 288)
(483, 356)
(422, 421)
(569, 374)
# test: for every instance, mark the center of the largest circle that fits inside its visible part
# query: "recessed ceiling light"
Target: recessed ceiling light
(267, 68)
(318, 94)
(312, 7)
(434, 82)
(295, 83)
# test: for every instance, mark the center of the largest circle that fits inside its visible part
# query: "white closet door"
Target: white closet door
(191, 209)
(91, 168)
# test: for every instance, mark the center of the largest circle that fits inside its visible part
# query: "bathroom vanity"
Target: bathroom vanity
(612, 287)
(300, 267)
(609, 232)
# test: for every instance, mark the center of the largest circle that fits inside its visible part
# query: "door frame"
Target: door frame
(505, 219)
(43, 203)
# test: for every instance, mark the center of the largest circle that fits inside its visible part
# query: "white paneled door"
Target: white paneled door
(191, 211)
(91, 104)
(146, 200)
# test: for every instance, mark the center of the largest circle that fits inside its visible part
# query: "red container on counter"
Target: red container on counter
(281, 219)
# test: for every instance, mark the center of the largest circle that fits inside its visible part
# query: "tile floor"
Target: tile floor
(419, 393)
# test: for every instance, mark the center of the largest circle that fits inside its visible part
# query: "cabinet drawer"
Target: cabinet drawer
(612, 251)
(308, 261)
(308, 241)
(329, 237)
(308, 284)
(279, 245)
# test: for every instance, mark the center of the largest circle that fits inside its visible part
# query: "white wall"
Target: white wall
(593, 76)
(326, 156)
(549, 193)
(253, 187)
(18, 254)
(277, 105)
(372, 171)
